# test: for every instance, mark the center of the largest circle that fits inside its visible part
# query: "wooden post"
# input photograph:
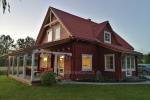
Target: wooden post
(9, 64)
(55, 64)
(32, 66)
(17, 65)
(13, 62)
(24, 65)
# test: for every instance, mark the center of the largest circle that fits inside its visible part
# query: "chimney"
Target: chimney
(89, 19)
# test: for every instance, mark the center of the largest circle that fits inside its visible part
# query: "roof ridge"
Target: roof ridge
(75, 15)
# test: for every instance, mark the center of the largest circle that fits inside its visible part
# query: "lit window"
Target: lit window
(86, 62)
(45, 62)
(107, 37)
(109, 62)
(57, 33)
(50, 35)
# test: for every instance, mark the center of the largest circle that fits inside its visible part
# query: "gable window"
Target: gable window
(50, 35)
(109, 62)
(107, 37)
(86, 62)
(57, 32)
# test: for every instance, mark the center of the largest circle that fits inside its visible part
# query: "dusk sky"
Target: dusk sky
(129, 18)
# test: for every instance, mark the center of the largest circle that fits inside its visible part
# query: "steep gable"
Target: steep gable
(74, 26)
(51, 20)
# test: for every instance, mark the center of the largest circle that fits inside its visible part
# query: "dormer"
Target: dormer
(107, 37)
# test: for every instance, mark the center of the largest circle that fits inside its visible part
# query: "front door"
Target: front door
(61, 65)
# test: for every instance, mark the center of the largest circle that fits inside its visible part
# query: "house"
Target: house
(76, 48)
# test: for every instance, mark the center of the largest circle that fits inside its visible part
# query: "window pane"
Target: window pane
(57, 33)
(128, 62)
(49, 35)
(86, 63)
(123, 62)
(107, 37)
(109, 62)
(132, 62)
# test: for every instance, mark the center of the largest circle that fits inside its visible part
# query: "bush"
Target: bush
(48, 78)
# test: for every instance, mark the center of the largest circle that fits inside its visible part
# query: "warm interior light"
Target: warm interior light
(61, 57)
(45, 59)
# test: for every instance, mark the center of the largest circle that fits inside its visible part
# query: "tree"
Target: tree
(25, 43)
(5, 5)
(6, 44)
(147, 58)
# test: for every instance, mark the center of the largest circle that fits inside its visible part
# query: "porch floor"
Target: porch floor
(26, 80)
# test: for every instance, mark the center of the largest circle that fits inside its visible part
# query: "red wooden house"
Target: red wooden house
(76, 48)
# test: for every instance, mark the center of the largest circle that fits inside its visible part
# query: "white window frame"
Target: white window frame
(108, 55)
(48, 31)
(91, 57)
(106, 32)
(57, 27)
(131, 69)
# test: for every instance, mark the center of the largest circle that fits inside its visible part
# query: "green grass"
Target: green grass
(12, 90)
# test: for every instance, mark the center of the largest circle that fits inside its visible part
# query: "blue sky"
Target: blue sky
(129, 18)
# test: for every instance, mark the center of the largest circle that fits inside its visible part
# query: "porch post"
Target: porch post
(32, 66)
(17, 65)
(24, 65)
(13, 62)
(55, 64)
(9, 64)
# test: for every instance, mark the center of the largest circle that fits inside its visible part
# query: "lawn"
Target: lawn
(12, 90)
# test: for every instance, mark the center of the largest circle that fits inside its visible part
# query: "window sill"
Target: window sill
(109, 70)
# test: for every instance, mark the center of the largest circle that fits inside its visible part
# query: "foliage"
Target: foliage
(24, 43)
(5, 5)
(6, 43)
(144, 59)
(48, 78)
(98, 76)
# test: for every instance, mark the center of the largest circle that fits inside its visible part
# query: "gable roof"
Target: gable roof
(84, 29)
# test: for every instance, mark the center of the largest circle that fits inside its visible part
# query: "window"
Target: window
(110, 62)
(123, 62)
(50, 35)
(45, 61)
(107, 37)
(128, 63)
(132, 62)
(86, 62)
(57, 33)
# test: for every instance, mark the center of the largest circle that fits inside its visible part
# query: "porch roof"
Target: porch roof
(36, 47)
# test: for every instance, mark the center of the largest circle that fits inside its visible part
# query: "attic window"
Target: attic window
(107, 37)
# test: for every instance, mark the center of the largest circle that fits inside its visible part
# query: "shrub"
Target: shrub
(48, 78)
(98, 76)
